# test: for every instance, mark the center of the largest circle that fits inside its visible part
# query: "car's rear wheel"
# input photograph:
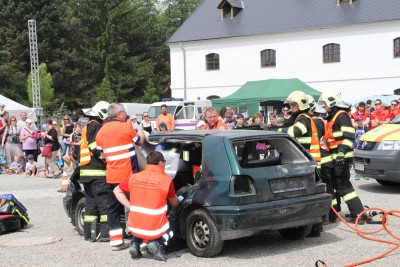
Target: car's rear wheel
(296, 233)
(202, 236)
(387, 183)
(79, 215)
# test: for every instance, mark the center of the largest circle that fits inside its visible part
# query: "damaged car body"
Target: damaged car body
(240, 183)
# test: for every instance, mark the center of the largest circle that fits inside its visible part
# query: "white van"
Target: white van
(186, 112)
(136, 109)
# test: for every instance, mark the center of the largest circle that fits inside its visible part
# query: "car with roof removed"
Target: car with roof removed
(237, 184)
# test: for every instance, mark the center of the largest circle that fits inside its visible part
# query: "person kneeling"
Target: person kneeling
(149, 191)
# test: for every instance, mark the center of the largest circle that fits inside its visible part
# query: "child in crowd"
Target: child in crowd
(32, 167)
(239, 121)
(15, 166)
(360, 130)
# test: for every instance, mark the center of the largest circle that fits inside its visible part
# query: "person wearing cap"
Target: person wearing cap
(163, 127)
(117, 141)
(135, 123)
(29, 138)
(31, 166)
(21, 124)
(339, 137)
(165, 117)
(361, 111)
(93, 174)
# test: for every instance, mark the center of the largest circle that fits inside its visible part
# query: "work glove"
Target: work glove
(339, 159)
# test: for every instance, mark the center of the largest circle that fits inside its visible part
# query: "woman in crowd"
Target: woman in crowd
(287, 118)
(50, 137)
(66, 131)
(11, 143)
(146, 124)
(29, 142)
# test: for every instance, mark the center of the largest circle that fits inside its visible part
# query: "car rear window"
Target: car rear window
(262, 152)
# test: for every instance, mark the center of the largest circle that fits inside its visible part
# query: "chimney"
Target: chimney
(339, 1)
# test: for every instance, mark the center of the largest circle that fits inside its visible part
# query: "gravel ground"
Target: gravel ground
(50, 239)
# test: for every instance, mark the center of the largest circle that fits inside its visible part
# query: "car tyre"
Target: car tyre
(387, 183)
(79, 215)
(202, 236)
(296, 233)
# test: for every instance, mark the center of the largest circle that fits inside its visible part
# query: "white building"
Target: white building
(353, 47)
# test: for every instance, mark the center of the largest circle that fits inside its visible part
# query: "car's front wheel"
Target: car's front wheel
(387, 183)
(79, 215)
(202, 236)
(296, 233)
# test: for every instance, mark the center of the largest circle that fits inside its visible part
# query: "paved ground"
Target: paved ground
(50, 239)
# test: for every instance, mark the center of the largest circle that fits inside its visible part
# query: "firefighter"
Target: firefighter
(339, 136)
(305, 132)
(324, 167)
(116, 139)
(93, 174)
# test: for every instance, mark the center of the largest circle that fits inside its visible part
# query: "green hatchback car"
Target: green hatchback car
(240, 183)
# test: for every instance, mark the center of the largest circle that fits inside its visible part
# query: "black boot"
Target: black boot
(86, 230)
(157, 250)
(104, 233)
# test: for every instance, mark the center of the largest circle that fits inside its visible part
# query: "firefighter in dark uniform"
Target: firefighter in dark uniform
(339, 136)
(93, 175)
(325, 166)
(305, 132)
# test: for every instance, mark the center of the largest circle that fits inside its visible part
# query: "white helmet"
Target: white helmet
(331, 98)
(312, 104)
(99, 110)
(300, 98)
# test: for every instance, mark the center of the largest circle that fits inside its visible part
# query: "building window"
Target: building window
(268, 58)
(331, 53)
(212, 61)
(396, 47)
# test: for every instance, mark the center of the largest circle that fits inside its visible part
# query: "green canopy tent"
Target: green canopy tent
(254, 93)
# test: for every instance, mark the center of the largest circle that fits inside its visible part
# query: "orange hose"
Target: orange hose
(364, 234)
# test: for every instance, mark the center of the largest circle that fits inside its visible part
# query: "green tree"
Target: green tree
(47, 100)
(12, 83)
(104, 93)
(150, 93)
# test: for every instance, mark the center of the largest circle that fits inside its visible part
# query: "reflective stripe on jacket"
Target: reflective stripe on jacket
(309, 139)
(86, 148)
(148, 200)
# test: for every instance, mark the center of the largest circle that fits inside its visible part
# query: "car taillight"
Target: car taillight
(242, 185)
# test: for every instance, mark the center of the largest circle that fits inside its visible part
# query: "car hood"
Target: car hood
(390, 132)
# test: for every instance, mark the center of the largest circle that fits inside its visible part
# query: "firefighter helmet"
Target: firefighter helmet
(99, 110)
(300, 98)
(312, 104)
(331, 98)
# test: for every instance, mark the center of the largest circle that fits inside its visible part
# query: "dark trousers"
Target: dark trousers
(345, 190)
(96, 197)
(96, 206)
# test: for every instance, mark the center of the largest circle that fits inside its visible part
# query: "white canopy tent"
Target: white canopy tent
(15, 108)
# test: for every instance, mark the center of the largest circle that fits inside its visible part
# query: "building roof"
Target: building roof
(282, 16)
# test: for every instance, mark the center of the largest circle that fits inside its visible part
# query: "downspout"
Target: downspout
(184, 71)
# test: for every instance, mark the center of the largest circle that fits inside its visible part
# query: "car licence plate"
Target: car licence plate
(359, 166)
(287, 185)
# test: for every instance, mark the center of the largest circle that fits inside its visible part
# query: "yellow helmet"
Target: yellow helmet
(300, 98)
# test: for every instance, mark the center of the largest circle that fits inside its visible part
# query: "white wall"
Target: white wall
(367, 64)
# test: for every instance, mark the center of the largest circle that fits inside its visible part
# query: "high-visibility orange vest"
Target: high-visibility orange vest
(86, 154)
(328, 137)
(148, 200)
(314, 149)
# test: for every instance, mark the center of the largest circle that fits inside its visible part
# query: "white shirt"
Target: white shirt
(29, 165)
